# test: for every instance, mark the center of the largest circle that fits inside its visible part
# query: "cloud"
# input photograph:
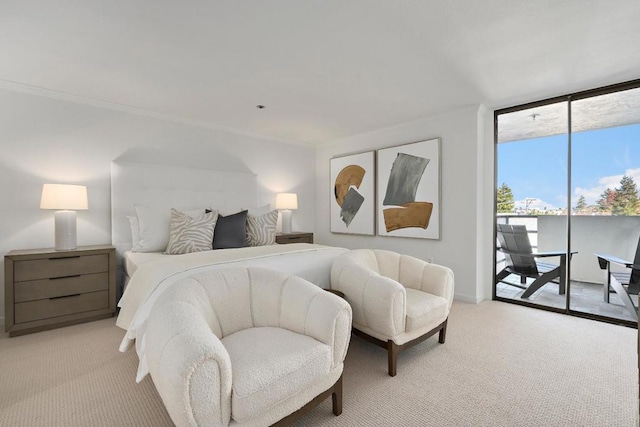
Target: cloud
(592, 194)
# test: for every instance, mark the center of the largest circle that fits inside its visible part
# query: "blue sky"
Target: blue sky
(537, 168)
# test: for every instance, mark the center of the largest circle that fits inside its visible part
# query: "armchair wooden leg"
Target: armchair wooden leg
(336, 397)
(392, 349)
(443, 332)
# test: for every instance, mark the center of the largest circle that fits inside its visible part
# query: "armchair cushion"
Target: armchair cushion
(270, 364)
(424, 310)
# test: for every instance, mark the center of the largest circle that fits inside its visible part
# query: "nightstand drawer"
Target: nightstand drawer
(60, 267)
(295, 237)
(298, 239)
(60, 286)
(47, 308)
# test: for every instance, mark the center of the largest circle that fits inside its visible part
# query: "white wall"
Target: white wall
(485, 187)
(50, 140)
(467, 183)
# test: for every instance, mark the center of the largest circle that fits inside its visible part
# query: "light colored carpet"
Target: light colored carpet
(502, 365)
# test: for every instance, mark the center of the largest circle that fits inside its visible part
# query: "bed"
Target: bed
(145, 275)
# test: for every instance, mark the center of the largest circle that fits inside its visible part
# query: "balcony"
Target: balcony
(615, 235)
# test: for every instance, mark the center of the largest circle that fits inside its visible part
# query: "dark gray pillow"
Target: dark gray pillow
(231, 231)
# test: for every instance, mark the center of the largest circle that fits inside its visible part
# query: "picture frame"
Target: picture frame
(408, 190)
(352, 179)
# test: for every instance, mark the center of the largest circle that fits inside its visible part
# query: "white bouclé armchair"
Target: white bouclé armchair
(397, 300)
(246, 346)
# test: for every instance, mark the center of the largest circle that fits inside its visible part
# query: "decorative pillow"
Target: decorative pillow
(231, 231)
(154, 226)
(261, 230)
(189, 234)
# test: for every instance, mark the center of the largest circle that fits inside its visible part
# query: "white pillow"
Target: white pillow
(154, 226)
(135, 233)
(189, 234)
(258, 210)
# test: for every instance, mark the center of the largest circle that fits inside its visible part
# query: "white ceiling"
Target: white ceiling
(325, 69)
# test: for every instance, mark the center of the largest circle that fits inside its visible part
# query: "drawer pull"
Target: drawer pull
(66, 296)
(64, 277)
(64, 257)
(295, 238)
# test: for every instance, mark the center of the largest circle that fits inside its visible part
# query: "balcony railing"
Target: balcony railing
(615, 235)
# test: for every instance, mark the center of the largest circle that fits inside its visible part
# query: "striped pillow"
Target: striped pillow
(189, 234)
(261, 230)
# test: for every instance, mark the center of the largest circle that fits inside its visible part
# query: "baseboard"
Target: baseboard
(467, 298)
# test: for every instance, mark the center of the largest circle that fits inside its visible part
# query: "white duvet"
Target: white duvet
(311, 262)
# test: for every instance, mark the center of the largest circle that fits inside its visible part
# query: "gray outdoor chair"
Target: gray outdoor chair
(624, 284)
(521, 260)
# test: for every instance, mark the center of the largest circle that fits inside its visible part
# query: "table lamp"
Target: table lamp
(285, 202)
(66, 200)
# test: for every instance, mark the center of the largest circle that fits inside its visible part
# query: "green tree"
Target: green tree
(504, 199)
(581, 206)
(605, 202)
(625, 201)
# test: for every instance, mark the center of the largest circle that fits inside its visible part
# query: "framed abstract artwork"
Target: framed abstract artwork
(353, 194)
(408, 182)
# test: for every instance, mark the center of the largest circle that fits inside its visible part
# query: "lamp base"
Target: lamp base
(286, 221)
(65, 230)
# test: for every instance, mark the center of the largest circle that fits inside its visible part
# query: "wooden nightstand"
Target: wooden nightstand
(295, 237)
(46, 289)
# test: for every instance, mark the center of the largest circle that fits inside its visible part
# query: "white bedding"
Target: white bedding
(155, 274)
(132, 260)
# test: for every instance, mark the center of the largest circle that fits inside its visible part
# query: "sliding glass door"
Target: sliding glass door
(605, 222)
(567, 205)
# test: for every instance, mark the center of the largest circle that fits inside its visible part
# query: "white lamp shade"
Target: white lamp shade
(287, 201)
(64, 197)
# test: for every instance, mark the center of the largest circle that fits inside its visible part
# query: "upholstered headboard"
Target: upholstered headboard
(166, 187)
